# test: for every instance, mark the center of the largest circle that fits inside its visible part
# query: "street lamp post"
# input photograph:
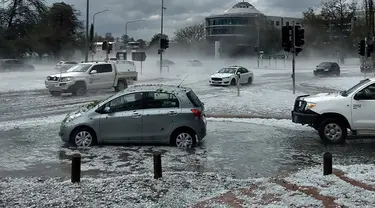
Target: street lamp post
(93, 25)
(87, 32)
(126, 25)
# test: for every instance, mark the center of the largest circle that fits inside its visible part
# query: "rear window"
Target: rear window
(194, 99)
(71, 62)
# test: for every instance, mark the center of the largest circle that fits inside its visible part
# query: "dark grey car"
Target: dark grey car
(13, 65)
(139, 114)
(327, 68)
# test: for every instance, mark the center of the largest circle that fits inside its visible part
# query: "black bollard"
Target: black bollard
(76, 168)
(327, 163)
(157, 166)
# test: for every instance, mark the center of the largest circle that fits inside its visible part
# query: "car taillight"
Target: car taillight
(197, 113)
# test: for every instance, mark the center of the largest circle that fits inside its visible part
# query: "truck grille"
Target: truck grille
(299, 105)
(216, 79)
(53, 78)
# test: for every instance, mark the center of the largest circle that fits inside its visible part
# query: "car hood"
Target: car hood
(68, 74)
(222, 75)
(322, 97)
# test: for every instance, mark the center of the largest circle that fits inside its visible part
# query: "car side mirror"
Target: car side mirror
(93, 72)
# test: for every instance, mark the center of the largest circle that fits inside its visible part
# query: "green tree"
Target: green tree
(59, 30)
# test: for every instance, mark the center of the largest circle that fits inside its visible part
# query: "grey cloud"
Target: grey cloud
(179, 13)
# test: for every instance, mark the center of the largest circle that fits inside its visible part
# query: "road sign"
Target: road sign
(267, 56)
(139, 56)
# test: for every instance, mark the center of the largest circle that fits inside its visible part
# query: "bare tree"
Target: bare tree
(339, 14)
(191, 34)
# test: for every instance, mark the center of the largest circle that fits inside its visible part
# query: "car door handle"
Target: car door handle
(172, 113)
(136, 115)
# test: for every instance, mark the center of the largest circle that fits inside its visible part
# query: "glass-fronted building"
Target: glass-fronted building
(241, 29)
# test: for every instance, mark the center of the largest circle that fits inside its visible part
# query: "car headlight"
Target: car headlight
(66, 79)
(310, 105)
(226, 77)
(71, 117)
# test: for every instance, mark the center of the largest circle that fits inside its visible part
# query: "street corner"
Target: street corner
(134, 159)
(347, 186)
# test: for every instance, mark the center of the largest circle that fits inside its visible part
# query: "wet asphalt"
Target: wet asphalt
(240, 149)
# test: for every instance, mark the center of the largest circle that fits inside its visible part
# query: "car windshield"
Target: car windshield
(80, 68)
(324, 64)
(228, 70)
(345, 93)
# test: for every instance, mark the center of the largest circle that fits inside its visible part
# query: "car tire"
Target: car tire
(315, 74)
(55, 93)
(250, 81)
(333, 131)
(183, 138)
(79, 89)
(233, 82)
(338, 73)
(121, 85)
(83, 137)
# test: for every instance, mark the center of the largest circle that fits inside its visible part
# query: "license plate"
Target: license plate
(57, 85)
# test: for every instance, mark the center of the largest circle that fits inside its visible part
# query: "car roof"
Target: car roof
(234, 66)
(156, 87)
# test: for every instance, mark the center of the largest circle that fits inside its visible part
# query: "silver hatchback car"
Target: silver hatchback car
(139, 114)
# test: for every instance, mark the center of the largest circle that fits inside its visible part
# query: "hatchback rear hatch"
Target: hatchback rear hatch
(198, 104)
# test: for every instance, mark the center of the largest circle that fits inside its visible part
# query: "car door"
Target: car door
(102, 77)
(243, 75)
(124, 121)
(363, 105)
(159, 116)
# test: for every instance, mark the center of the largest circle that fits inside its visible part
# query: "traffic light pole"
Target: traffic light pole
(365, 61)
(161, 35)
(294, 57)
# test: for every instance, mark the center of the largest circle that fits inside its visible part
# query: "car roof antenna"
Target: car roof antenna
(182, 80)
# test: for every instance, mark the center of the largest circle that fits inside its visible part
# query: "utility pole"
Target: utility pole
(294, 57)
(87, 32)
(161, 35)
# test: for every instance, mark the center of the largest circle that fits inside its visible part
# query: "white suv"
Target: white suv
(332, 114)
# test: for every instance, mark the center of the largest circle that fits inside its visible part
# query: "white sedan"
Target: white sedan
(229, 75)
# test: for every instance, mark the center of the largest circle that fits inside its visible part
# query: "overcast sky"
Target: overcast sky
(179, 13)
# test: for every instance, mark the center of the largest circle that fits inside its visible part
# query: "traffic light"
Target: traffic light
(370, 49)
(110, 47)
(286, 38)
(164, 43)
(361, 47)
(91, 33)
(299, 36)
(105, 45)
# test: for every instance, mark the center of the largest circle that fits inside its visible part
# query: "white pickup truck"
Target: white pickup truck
(90, 76)
(332, 114)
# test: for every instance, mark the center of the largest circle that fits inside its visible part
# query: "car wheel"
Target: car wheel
(183, 139)
(121, 85)
(55, 93)
(315, 74)
(79, 90)
(333, 131)
(338, 73)
(83, 137)
(233, 82)
(250, 80)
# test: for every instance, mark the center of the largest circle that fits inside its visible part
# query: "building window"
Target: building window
(277, 23)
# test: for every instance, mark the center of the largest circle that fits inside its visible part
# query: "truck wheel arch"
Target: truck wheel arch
(324, 116)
